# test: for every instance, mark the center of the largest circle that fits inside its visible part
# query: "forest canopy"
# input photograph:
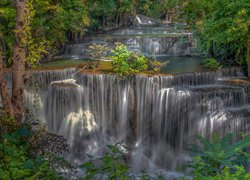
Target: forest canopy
(220, 26)
(34, 31)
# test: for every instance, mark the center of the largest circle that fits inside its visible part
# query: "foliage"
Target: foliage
(212, 64)
(222, 28)
(160, 8)
(211, 157)
(107, 14)
(127, 62)
(240, 173)
(49, 25)
(7, 23)
(110, 13)
(30, 153)
(110, 165)
(15, 161)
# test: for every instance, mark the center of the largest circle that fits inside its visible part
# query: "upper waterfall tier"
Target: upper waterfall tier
(162, 40)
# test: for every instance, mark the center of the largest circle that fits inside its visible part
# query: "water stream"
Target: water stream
(157, 117)
(158, 40)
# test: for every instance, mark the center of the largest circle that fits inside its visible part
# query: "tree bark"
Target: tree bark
(18, 60)
(4, 92)
(248, 58)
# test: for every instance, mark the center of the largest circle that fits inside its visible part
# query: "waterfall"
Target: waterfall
(160, 40)
(157, 117)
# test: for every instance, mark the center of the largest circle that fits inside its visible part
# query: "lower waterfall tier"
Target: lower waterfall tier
(156, 117)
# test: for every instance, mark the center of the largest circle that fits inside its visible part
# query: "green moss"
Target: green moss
(61, 63)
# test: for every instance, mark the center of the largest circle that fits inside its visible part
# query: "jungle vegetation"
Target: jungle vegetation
(32, 31)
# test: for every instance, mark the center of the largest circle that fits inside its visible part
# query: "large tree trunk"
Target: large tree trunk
(19, 56)
(248, 58)
(4, 92)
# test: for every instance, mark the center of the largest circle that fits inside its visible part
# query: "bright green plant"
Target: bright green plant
(211, 157)
(226, 174)
(127, 62)
(110, 165)
(221, 28)
(212, 64)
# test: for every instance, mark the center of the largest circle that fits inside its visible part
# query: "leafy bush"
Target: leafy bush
(212, 63)
(240, 173)
(126, 62)
(110, 165)
(27, 153)
(15, 161)
(229, 44)
(210, 158)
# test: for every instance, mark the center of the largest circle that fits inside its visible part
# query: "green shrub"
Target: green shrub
(221, 28)
(211, 157)
(127, 62)
(30, 153)
(226, 174)
(15, 162)
(212, 64)
(110, 165)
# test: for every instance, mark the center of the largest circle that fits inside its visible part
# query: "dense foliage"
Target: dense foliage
(26, 153)
(50, 25)
(127, 62)
(226, 174)
(222, 31)
(169, 9)
(222, 28)
(15, 159)
(111, 164)
(212, 64)
(220, 156)
(109, 14)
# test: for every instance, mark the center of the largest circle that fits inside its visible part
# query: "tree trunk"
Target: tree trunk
(248, 58)
(19, 56)
(4, 92)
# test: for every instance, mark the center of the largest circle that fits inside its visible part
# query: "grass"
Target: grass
(103, 67)
(61, 64)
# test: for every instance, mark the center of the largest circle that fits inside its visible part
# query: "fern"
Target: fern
(213, 155)
(238, 146)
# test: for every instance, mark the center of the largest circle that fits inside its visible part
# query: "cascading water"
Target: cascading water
(157, 117)
(147, 36)
(174, 44)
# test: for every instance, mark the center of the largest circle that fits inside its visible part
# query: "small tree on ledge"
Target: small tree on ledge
(127, 62)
